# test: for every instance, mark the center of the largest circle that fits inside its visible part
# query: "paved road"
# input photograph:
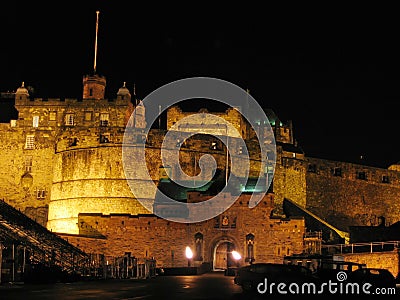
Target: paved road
(205, 286)
(212, 286)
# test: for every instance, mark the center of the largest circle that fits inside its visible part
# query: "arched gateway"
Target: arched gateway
(221, 251)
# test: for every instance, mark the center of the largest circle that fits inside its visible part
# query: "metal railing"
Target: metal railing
(370, 247)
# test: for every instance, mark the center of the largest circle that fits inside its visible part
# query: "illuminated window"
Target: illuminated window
(69, 119)
(53, 116)
(30, 142)
(104, 138)
(28, 164)
(213, 146)
(104, 119)
(13, 123)
(40, 194)
(35, 121)
(88, 116)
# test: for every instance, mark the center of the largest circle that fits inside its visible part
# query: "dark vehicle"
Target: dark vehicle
(329, 269)
(159, 271)
(375, 276)
(249, 277)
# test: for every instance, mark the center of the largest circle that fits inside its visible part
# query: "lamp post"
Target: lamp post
(189, 254)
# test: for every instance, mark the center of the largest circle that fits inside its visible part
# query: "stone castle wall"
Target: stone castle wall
(26, 174)
(289, 181)
(90, 178)
(82, 173)
(382, 260)
(232, 116)
(338, 193)
(150, 236)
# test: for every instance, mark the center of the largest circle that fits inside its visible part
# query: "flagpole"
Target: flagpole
(95, 42)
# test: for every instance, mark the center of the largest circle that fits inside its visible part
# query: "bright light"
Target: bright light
(236, 255)
(188, 252)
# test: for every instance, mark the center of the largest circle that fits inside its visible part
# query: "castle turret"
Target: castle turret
(94, 87)
(22, 94)
(123, 93)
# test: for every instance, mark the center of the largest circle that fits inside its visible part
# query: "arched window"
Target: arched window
(198, 241)
(249, 248)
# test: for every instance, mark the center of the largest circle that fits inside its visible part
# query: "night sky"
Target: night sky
(336, 77)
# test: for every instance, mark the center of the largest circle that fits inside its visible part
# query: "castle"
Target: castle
(61, 165)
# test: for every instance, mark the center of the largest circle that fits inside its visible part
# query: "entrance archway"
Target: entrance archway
(222, 255)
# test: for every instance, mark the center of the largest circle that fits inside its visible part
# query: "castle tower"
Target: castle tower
(94, 87)
(88, 175)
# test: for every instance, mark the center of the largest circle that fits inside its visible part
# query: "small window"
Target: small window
(30, 142)
(41, 194)
(35, 121)
(104, 138)
(312, 168)
(385, 179)
(72, 142)
(88, 116)
(294, 155)
(28, 164)
(361, 175)
(104, 119)
(69, 119)
(90, 92)
(53, 116)
(13, 123)
(337, 172)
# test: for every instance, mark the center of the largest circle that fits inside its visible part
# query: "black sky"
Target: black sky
(335, 76)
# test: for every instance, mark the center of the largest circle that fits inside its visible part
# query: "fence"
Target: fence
(361, 247)
(126, 266)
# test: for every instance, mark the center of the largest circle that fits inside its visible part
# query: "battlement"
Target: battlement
(352, 171)
(20, 103)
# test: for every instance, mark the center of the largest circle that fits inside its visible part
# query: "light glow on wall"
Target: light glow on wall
(236, 255)
(188, 252)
